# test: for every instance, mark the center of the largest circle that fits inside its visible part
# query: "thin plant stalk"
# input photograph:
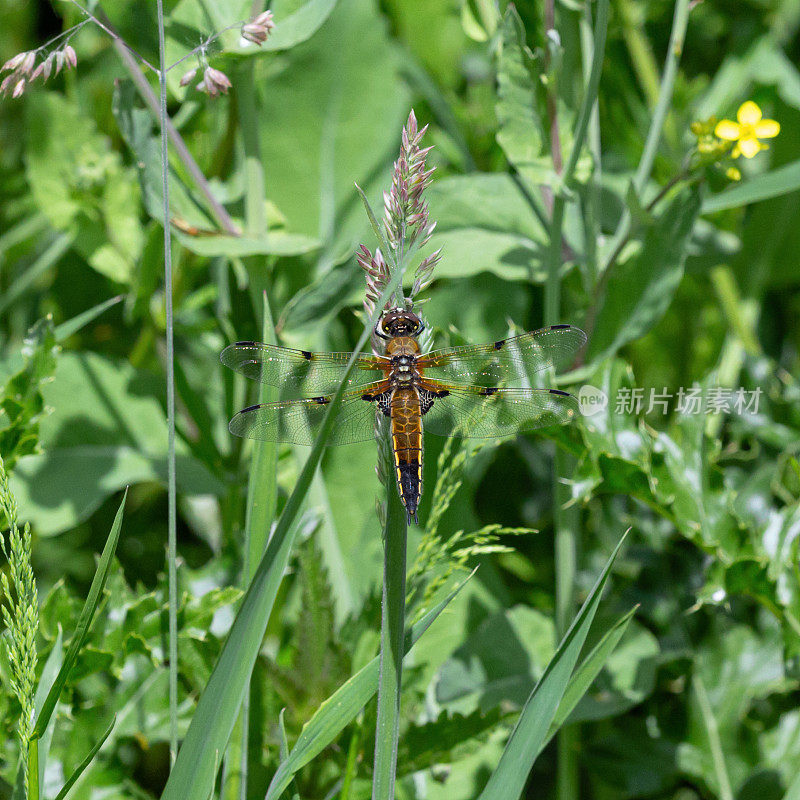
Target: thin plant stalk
(393, 609)
(171, 489)
(262, 489)
(565, 521)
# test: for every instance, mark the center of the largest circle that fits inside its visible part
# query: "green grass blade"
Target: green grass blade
(49, 674)
(84, 621)
(71, 326)
(342, 707)
(194, 772)
(587, 671)
(284, 745)
(780, 181)
(525, 742)
(262, 494)
(51, 256)
(393, 614)
(85, 763)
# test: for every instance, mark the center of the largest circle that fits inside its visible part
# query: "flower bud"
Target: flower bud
(14, 62)
(19, 88)
(27, 63)
(188, 77)
(216, 79)
(70, 58)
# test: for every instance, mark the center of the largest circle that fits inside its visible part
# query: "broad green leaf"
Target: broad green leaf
(522, 748)
(640, 289)
(138, 128)
(780, 181)
(84, 621)
(341, 708)
(522, 132)
(107, 430)
(331, 95)
(277, 243)
(80, 184)
(485, 224)
(192, 21)
(499, 663)
(294, 23)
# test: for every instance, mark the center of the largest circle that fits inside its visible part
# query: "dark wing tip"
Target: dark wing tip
(560, 327)
(250, 408)
(246, 344)
(559, 392)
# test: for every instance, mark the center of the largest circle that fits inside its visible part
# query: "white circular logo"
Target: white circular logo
(591, 400)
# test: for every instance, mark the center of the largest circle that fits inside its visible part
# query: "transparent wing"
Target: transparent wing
(300, 371)
(506, 360)
(299, 421)
(479, 412)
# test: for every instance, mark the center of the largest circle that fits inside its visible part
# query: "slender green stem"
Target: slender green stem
(393, 609)
(552, 288)
(566, 522)
(679, 22)
(33, 770)
(589, 101)
(352, 762)
(591, 205)
(171, 489)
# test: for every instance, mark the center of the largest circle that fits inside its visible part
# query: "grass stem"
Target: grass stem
(393, 609)
(171, 488)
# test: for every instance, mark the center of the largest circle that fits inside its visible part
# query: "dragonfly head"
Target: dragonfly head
(399, 322)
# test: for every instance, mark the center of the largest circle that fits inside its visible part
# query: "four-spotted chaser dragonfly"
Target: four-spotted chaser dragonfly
(455, 390)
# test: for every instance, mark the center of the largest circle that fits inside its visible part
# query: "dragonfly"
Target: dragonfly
(462, 391)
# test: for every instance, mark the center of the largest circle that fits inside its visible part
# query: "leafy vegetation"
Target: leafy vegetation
(630, 168)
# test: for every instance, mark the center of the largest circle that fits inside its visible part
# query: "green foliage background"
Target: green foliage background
(700, 699)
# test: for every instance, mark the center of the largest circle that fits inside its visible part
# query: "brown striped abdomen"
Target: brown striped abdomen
(407, 447)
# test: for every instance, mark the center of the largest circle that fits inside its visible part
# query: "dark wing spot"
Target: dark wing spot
(307, 354)
(558, 391)
(368, 396)
(250, 408)
(442, 393)
(499, 344)
(489, 391)
(322, 400)
(247, 344)
(560, 327)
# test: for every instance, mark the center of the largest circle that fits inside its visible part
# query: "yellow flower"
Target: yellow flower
(748, 130)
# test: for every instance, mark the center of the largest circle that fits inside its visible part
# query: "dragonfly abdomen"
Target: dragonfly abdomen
(407, 447)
